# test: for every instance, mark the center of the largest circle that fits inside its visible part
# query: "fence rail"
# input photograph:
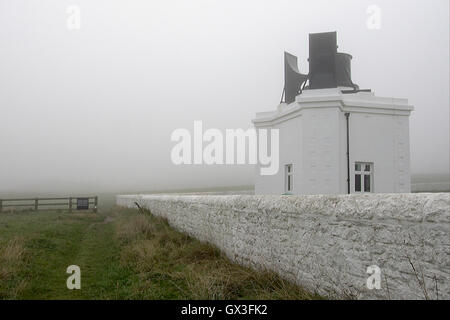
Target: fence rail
(71, 203)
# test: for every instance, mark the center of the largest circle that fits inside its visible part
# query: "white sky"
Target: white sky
(94, 108)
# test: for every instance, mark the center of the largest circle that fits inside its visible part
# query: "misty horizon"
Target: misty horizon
(93, 109)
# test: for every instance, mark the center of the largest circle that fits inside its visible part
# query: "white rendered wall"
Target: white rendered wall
(325, 243)
(382, 140)
(321, 151)
(290, 153)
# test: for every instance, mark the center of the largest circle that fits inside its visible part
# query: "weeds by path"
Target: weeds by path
(172, 265)
(122, 254)
(12, 256)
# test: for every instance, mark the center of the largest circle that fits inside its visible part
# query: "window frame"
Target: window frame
(289, 178)
(362, 172)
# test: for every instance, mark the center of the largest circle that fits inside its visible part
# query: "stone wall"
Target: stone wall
(325, 243)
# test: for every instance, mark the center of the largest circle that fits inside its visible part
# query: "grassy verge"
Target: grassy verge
(172, 265)
(11, 259)
(122, 254)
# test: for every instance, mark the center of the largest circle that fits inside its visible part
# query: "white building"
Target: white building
(313, 144)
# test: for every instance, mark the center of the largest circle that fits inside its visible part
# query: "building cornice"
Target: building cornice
(361, 102)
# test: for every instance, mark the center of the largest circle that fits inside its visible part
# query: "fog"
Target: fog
(92, 109)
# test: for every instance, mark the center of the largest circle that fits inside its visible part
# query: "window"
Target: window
(289, 178)
(363, 177)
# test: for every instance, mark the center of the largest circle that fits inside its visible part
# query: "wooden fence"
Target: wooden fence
(81, 203)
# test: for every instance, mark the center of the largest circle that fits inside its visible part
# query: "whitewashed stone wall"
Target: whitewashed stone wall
(325, 243)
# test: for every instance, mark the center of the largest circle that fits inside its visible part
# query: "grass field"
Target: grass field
(122, 254)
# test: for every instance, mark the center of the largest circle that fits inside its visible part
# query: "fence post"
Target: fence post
(95, 204)
(36, 204)
(70, 205)
(1, 205)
